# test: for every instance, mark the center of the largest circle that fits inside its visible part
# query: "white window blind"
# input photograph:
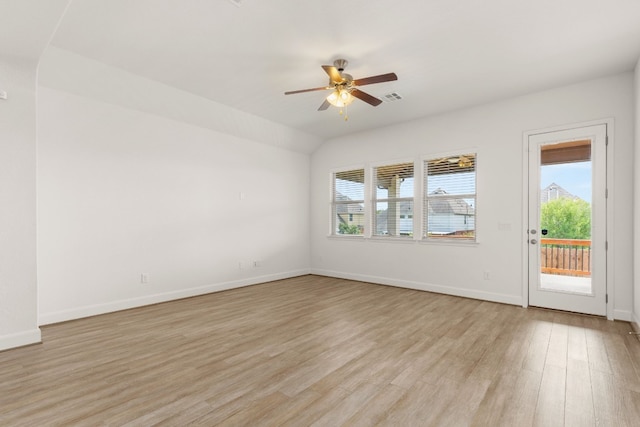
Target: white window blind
(450, 197)
(393, 200)
(347, 205)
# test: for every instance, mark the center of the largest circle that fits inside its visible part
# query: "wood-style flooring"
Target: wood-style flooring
(329, 352)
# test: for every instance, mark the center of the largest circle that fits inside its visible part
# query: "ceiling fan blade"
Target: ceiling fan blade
(324, 105)
(369, 99)
(291, 92)
(333, 73)
(376, 79)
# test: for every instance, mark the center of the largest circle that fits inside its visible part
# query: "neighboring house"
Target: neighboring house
(445, 216)
(349, 213)
(450, 215)
(553, 191)
(405, 218)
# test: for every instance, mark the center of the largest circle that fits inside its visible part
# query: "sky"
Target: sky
(573, 177)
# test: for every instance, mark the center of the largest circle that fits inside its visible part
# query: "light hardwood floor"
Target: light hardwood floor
(322, 351)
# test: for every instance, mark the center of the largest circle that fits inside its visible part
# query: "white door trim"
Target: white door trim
(609, 122)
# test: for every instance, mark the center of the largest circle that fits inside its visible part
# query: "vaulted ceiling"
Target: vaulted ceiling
(447, 54)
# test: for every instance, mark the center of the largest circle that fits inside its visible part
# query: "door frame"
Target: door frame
(609, 123)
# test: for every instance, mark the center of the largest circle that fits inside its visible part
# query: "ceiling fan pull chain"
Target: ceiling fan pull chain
(344, 110)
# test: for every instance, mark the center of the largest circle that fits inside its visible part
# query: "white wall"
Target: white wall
(73, 73)
(23, 37)
(18, 310)
(636, 198)
(122, 192)
(496, 131)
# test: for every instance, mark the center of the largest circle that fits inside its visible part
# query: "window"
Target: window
(347, 204)
(450, 197)
(393, 200)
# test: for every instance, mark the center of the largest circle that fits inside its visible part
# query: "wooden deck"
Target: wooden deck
(568, 257)
(322, 351)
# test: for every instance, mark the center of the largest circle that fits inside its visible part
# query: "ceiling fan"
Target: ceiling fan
(461, 161)
(345, 88)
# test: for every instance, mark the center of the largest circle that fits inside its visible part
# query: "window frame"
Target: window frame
(374, 199)
(333, 203)
(426, 198)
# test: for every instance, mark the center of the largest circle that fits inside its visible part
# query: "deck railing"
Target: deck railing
(568, 257)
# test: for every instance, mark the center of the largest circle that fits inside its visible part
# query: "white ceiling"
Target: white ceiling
(447, 54)
(27, 27)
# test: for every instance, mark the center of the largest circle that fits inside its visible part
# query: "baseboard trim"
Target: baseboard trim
(20, 339)
(635, 322)
(110, 307)
(624, 315)
(421, 286)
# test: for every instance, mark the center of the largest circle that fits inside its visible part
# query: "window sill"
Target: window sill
(354, 237)
(404, 240)
(374, 239)
(392, 239)
(450, 242)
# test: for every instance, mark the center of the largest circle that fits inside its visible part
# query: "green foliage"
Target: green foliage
(566, 218)
(348, 229)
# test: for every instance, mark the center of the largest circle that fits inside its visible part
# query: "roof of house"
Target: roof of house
(447, 205)
(344, 208)
(450, 206)
(554, 191)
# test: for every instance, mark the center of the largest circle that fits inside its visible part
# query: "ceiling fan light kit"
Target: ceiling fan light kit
(344, 87)
(340, 98)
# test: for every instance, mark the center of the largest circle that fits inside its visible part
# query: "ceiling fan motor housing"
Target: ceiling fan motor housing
(340, 64)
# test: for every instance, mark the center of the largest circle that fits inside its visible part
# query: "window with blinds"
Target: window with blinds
(449, 210)
(347, 204)
(393, 200)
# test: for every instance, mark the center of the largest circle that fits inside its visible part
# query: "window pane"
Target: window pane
(348, 202)
(349, 218)
(349, 185)
(393, 181)
(450, 189)
(453, 183)
(394, 218)
(393, 199)
(451, 217)
(451, 175)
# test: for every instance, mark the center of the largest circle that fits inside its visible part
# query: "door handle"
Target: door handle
(533, 241)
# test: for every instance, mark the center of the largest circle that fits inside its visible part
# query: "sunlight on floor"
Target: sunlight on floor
(555, 282)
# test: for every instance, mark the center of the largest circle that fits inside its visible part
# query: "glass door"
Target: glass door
(567, 220)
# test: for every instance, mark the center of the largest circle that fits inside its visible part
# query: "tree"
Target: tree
(348, 229)
(566, 218)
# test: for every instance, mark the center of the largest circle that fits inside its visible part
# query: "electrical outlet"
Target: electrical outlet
(144, 278)
(256, 264)
(486, 275)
